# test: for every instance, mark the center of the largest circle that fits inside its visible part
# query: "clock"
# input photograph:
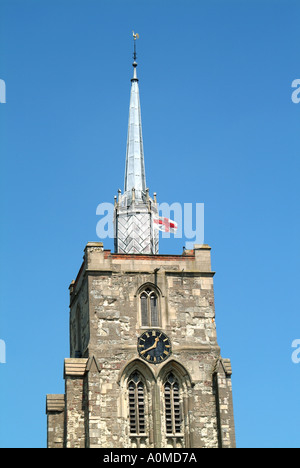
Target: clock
(154, 346)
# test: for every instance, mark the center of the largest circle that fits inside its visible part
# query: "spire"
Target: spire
(135, 211)
(135, 177)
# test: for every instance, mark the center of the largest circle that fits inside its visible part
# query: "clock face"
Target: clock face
(154, 346)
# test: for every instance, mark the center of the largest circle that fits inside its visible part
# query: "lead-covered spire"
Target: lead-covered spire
(135, 177)
(135, 211)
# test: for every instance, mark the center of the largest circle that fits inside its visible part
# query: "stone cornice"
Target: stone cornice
(55, 403)
(75, 367)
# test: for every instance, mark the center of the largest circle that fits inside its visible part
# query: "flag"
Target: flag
(165, 225)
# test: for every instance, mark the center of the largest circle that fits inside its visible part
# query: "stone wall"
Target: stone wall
(55, 409)
(107, 291)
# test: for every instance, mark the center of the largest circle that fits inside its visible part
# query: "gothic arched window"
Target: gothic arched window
(149, 308)
(173, 413)
(136, 397)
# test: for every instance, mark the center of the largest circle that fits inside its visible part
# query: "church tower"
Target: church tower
(145, 369)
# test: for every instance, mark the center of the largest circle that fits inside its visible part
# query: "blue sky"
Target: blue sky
(219, 128)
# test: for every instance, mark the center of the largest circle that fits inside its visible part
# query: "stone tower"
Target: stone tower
(145, 368)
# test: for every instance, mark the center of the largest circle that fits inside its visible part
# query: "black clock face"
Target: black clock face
(154, 346)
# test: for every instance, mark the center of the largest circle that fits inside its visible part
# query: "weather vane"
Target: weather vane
(135, 37)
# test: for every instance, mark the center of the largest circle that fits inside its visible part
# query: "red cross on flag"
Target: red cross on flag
(165, 225)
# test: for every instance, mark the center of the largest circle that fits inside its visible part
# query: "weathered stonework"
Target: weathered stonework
(55, 409)
(105, 323)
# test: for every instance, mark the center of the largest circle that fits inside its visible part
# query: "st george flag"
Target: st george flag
(165, 225)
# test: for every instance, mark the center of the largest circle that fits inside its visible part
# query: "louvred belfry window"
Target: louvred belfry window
(172, 406)
(136, 395)
(149, 308)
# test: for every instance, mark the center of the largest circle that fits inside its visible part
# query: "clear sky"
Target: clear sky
(219, 128)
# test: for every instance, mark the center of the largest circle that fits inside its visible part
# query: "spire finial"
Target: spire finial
(135, 37)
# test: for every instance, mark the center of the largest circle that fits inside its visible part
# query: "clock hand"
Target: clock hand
(151, 347)
(156, 341)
